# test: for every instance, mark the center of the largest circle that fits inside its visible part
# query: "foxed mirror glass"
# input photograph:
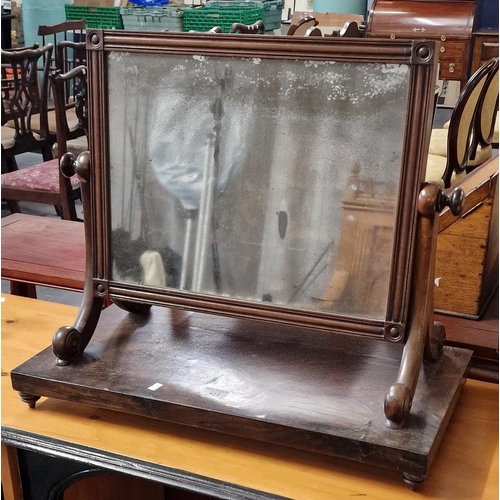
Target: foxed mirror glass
(256, 179)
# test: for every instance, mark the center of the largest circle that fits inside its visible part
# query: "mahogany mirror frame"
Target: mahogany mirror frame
(408, 317)
(420, 56)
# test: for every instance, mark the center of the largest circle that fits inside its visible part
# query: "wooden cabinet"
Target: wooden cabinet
(485, 47)
(467, 248)
(450, 22)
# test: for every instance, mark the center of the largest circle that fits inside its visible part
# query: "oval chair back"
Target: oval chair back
(487, 108)
(460, 145)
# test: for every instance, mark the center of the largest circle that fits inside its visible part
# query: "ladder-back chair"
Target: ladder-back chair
(44, 183)
(24, 96)
(64, 59)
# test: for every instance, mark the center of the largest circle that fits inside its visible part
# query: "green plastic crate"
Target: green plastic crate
(272, 9)
(95, 17)
(204, 19)
(152, 18)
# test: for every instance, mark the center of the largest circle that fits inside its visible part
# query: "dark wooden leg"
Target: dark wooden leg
(29, 399)
(435, 341)
(13, 207)
(69, 342)
(422, 335)
(47, 154)
(9, 164)
(23, 289)
(414, 481)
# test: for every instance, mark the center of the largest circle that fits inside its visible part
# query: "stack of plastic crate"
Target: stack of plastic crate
(223, 14)
(272, 15)
(95, 17)
(272, 10)
(152, 18)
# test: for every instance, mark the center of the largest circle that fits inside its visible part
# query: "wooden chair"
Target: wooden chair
(252, 29)
(68, 39)
(303, 26)
(351, 29)
(448, 168)
(484, 123)
(24, 95)
(69, 53)
(73, 31)
(484, 129)
(44, 183)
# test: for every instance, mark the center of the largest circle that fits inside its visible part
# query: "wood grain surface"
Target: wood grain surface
(466, 465)
(60, 264)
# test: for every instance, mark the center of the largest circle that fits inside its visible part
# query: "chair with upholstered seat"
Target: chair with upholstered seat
(68, 54)
(68, 39)
(484, 123)
(450, 149)
(44, 183)
(24, 95)
(69, 35)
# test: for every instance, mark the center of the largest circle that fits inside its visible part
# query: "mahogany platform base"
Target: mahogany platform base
(294, 387)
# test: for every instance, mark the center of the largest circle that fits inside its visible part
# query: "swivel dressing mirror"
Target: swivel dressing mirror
(232, 177)
(274, 187)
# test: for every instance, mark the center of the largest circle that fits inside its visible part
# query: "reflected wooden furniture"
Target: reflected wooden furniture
(466, 465)
(366, 235)
(42, 251)
(485, 47)
(450, 22)
(467, 248)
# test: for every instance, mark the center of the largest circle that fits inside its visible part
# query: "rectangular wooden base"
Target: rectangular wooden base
(294, 387)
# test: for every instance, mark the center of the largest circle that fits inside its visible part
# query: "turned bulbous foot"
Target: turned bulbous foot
(397, 405)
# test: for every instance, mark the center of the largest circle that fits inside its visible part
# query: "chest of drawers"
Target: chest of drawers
(450, 22)
(485, 46)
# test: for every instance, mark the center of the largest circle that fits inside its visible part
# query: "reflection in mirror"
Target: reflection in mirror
(255, 179)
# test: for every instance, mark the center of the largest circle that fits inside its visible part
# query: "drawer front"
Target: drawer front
(489, 50)
(453, 50)
(451, 69)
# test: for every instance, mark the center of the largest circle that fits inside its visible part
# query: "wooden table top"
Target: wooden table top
(466, 465)
(43, 251)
